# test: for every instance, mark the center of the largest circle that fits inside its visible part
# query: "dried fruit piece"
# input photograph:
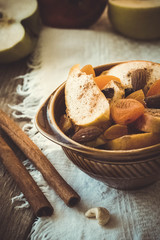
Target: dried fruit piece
(108, 92)
(132, 129)
(65, 123)
(133, 141)
(149, 121)
(138, 79)
(126, 111)
(88, 69)
(137, 95)
(106, 125)
(118, 90)
(99, 141)
(153, 101)
(102, 80)
(128, 91)
(116, 131)
(87, 134)
(154, 89)
(104, 72)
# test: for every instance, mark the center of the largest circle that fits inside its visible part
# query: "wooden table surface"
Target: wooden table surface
(15, 224)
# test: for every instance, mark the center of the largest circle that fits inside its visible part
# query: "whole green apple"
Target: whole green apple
(138, 19)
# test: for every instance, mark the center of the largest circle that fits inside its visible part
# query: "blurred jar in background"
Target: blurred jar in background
(71, 13)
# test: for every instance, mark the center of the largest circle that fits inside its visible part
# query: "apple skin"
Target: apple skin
(20, 50)
(32, 26)
(71, 13)
(140, 24)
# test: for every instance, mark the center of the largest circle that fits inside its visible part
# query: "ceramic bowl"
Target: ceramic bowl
(120, 169)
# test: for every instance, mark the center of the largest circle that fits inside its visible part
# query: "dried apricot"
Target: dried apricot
(137, 95)
(115, 131)
(102, 80)
(88, 69)
(154, 89)
(125, 111)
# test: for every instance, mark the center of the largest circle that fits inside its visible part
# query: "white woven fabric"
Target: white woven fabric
(135, 215)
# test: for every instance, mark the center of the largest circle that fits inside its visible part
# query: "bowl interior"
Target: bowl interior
(47, 122)
(121, 169)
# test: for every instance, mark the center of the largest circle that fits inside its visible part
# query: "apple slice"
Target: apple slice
(136, 19)
(85, 103)
(19, 28)
(133, 141)
(149, 121)
(125, 70)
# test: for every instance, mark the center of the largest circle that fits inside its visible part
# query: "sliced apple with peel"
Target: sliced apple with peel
(124, 72)
(149, 121)
(19, 28)
(138, 19)
(85, 103)
(133, 141)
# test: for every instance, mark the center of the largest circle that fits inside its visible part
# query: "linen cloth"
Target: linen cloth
(135, 215)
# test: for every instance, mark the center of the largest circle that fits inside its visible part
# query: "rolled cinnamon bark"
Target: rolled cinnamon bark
(50, 174)
(27, 185)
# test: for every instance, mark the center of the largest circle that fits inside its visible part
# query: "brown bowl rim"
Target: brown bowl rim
(64, 141)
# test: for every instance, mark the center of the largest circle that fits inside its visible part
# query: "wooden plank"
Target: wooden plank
(15, 224)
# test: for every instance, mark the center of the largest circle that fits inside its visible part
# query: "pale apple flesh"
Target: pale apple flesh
(20, 50)
(10, 35)
(86, 104)
(18, 34)
(123, 71)
(18, 9)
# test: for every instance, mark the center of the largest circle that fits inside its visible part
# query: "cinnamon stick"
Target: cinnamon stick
(27, 185)
(50, 174)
